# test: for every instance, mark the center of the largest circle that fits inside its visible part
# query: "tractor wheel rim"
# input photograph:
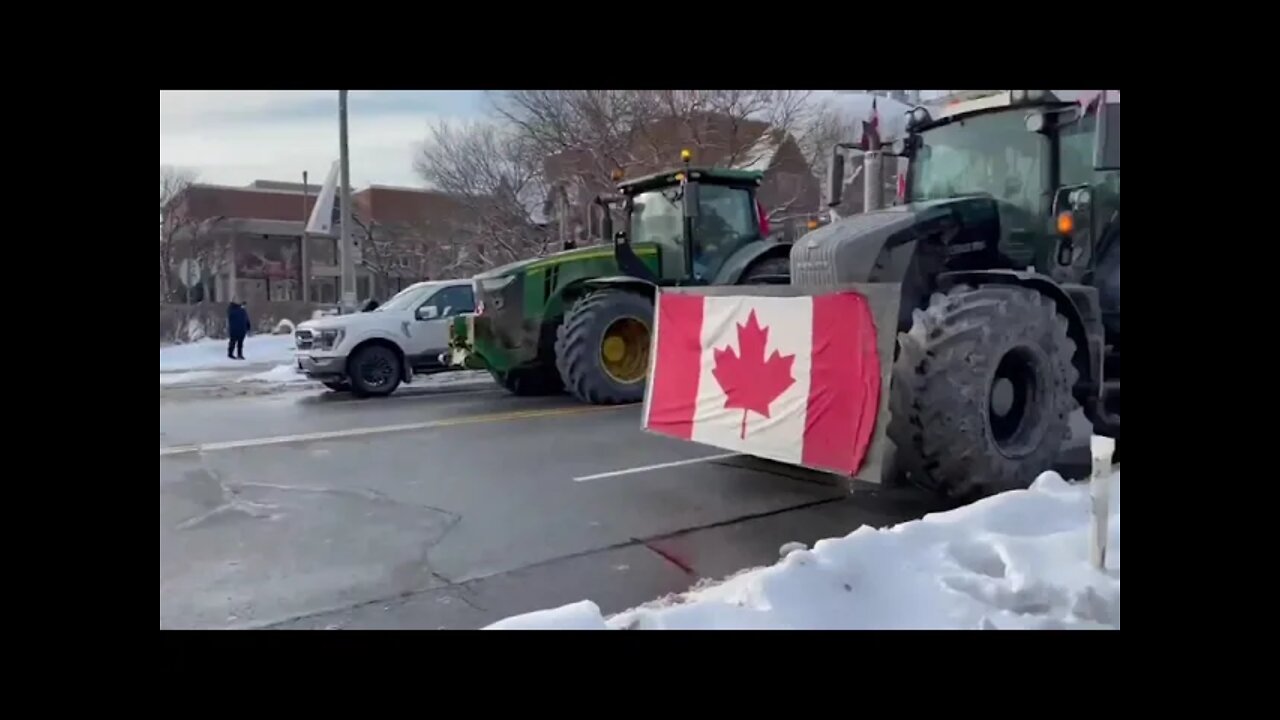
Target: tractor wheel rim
(624, 350)
(1014, 400)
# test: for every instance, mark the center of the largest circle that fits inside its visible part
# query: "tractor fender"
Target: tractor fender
(742, 258)
(1087, 356)
(626, 282)
(570, 294)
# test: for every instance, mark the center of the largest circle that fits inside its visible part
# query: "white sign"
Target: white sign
(189, 272)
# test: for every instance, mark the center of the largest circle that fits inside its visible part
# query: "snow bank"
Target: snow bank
(182, 378)
(212, 354)
(582, 615)
(277, 374)
(1019, 560)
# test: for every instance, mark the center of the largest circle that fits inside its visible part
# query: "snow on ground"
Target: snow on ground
(1019, 560)
(277, 374)
(212, 354)
(191, 376)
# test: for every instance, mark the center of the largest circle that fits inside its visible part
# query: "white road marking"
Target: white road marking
(378, 430)
(659, 466)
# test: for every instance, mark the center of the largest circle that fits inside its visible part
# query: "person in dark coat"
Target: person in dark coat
(237, 328)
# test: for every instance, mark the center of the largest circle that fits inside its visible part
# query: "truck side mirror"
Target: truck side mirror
(1106, 139)
(835, 177)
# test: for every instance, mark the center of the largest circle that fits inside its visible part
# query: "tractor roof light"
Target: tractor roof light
(616, 175)
(686, 155)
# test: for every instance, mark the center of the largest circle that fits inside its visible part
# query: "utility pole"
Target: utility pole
(344, 224)
(303, 255)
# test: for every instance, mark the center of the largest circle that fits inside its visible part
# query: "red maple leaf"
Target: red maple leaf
(750, 382)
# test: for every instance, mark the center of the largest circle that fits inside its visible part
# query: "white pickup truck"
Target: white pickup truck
(371, 353)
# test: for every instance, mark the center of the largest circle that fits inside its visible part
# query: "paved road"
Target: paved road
(457, 506)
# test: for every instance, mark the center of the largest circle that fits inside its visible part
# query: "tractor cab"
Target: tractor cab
(1029, 151)
(702, 221)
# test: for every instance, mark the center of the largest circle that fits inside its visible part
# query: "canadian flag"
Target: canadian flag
(793, 379)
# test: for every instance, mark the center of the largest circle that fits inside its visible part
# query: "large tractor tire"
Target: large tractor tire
(982, 391)
(374, 371)
(602, 347)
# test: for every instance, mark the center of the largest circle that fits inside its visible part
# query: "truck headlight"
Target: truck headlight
(328, 339)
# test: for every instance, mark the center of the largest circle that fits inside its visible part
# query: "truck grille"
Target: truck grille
(831, 255)
(304, 339)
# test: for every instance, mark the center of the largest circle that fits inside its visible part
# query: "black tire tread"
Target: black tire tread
(938, 420)
(574, 349)
(357, 386)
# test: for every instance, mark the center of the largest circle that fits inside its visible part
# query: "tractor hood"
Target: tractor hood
(593, 251)
(865, 247)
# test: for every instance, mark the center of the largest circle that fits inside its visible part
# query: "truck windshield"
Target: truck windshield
(407, 299)
(991, 154)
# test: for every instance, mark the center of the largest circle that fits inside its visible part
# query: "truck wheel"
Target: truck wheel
(760, 272)
(337, 385)
(602, 347)
(982, 391)
(374, 370)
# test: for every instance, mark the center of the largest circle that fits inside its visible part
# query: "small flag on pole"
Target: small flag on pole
(322, 214)
(871, 129)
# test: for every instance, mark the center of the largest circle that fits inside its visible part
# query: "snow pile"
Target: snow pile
(1019, 560)
(277, 374)
(212, 354)
(183, 378)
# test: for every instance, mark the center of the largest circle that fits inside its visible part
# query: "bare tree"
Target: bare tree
(392, 251)
(588, 135)
(174, 222)
(210, 248)
(495, 176)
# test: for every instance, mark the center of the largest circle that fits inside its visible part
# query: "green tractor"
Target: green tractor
(580, 320)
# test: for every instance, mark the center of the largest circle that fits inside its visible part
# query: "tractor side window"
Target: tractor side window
(656, 217)
(726, 221)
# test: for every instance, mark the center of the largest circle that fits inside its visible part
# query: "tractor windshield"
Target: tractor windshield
(726, 220)
(992, 154)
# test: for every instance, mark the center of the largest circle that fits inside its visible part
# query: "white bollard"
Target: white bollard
(1100, 493)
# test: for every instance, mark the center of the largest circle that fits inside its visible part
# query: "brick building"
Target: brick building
(249, 240)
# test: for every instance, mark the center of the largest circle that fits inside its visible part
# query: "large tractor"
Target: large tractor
(581, 319)
(1007, 250)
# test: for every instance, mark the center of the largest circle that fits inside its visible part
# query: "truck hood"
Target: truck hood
(385, 318)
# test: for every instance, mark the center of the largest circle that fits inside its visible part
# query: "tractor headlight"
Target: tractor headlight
(328, 339)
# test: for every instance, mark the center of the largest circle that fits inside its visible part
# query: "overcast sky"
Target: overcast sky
(234, 137)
